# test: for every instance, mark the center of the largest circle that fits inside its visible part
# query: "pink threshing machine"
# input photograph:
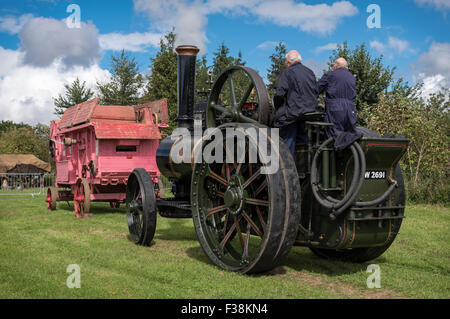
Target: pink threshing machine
(96, 147)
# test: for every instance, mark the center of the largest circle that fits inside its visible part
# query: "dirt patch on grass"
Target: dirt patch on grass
(333, 286)
(6, 213)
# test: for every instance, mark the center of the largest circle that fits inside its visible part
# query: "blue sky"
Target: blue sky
(39, 54)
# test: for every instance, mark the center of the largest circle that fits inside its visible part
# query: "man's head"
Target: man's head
(292, 57)
(340, 63)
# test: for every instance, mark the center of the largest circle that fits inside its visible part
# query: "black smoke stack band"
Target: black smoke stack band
(187, 55)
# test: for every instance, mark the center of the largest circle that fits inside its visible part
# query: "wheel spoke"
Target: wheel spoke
(223, 110)
(227, 236)
(245, 119)
(260, 217)
(232, 93)
(247, 240)
(238, 228)
(258, 202)
(252, 224)
(246, 95)
(215, 210)
(261, 187)
(252, 178)
(216, 177)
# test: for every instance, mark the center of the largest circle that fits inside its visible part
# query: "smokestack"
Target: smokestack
(187, 55)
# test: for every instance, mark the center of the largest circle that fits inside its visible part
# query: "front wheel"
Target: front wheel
(141, 207)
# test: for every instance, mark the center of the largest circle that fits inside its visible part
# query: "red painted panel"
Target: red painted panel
(62, 172)
(126, 131)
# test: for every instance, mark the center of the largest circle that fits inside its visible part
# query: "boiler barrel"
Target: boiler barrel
(174, 156)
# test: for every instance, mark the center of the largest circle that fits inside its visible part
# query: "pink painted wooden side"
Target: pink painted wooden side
(97, 140)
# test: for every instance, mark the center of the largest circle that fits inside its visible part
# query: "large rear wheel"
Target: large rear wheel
(245, 214)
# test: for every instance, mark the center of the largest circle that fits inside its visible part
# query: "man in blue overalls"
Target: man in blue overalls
(296, 95)
(340, 88)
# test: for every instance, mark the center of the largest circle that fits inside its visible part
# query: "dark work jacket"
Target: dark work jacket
(340, 88)
(296, 94)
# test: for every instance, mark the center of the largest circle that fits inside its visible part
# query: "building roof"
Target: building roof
(9, 161)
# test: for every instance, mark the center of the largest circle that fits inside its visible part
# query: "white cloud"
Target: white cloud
(393, 46)
(398, 45)
(431, 84)
(436, 60)
(318, 18)
(377, 45)
(267, 45)
(188, 19)
(26, 91)
(438, 4)
(13, 24)
(433, 67)
(134, 42)
(191, 17)
(326, 47)
(45, 40)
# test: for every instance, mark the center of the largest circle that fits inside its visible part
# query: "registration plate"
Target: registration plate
(375, 175)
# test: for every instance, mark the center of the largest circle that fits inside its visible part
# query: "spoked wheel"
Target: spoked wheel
(245, 213)
(141, 207)
(364, 254)
(238, 95)
(52, 196)
(82, 198)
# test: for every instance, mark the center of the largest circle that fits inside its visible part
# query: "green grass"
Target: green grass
(37, 245)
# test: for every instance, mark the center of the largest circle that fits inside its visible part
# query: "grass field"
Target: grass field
(37, 245)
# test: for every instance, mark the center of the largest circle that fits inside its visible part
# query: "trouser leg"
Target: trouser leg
(289, 134)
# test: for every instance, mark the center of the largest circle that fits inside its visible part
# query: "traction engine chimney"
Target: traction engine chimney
(187, 55)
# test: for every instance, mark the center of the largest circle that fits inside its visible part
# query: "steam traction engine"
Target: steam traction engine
(345, 205)
(95, 148)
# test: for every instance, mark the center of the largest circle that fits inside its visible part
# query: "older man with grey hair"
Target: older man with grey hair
(340, 88)
(296, 94)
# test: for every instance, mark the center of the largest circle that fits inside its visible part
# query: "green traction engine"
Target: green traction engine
(249, 199)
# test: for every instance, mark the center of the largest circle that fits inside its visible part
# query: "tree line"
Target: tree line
(385, 104)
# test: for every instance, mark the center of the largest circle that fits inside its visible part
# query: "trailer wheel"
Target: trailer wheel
(52, 196)
(82, 198)
(364, 254)
(141, 207)
(246, 221)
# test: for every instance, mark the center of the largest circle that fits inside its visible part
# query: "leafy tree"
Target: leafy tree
(125, 84)
(277, 66)
(26, 140)
(162, 82)
(222, 60)
(76, 93)
(202, 80)
(427, 124)
(5, 126)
